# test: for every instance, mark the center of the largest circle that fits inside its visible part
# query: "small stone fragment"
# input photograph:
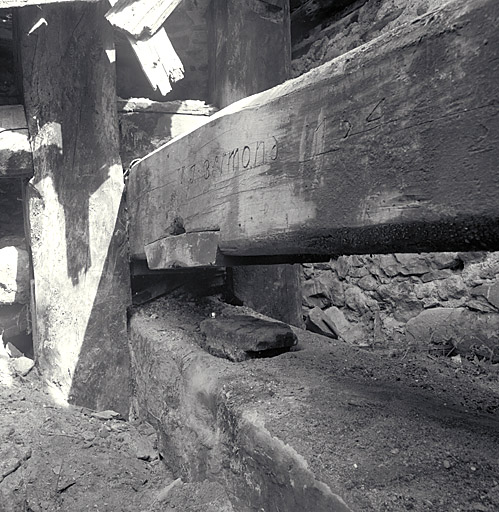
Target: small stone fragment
(13, 351)
(23, 365)
(145, 450)
(103, 433)
(105, 415)
(163, 494)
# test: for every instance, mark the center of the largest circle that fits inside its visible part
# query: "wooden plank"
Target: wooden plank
(15, 150)
(393, 147)
(140, 18)
(76, 215)
(157, 58)
(159, 61)
(185, 107)
(186, 250)
(146, 125)
(7, 4)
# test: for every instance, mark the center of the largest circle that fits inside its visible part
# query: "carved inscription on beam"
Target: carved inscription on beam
(391, 147)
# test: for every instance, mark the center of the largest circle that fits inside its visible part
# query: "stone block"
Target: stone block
(358, 272)
(357, 301)
(368, 283)
(388, 264)
(480, 304)
(451, 288)
(337, 292)
(351, 333)
(239, 337)
(489, 292)
(412, 264)
(317, 292)
(467, 332)
(317, 321)
(436, 275)
(443, 260)
(342, 266)
(23, 365)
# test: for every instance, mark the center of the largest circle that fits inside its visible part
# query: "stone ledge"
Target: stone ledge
(207, 431)
(295, 431)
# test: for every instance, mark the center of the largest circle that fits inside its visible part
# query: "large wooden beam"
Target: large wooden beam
(393, 146)
(78, 232)
(15, 151)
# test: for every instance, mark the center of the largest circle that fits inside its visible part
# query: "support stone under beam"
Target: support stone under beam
(78, 233)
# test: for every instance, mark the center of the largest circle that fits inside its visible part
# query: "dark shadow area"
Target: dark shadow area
(9, 94)
(200, 282)
(70, 101)
(101, 379)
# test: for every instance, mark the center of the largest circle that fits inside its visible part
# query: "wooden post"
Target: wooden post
(250, 51)
(78, 233)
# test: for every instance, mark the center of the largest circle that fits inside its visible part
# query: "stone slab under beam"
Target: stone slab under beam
(390, 147)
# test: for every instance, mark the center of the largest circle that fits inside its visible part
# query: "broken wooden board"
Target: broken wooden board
(184, 250)
(159, 61)
(7, 4)
(140, 18)
(76, 215)
(157, 58)
(392, 147)
(185, 107)
(146, 125)
(15, 150)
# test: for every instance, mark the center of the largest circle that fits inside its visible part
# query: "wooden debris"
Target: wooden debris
(156, 57)
(140, 18)
(159, 61)
(384, 149)
(146, 125)
(7, 4)
(15, 150)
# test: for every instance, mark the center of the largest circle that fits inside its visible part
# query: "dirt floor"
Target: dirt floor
(55, 458)
(414, 431)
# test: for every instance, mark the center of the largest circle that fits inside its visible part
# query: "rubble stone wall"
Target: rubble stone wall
(440, 302)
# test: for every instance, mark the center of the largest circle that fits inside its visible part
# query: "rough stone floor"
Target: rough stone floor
(55, 458)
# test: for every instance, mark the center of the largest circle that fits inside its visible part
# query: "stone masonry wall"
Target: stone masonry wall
(440, 302)
(444, 303)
